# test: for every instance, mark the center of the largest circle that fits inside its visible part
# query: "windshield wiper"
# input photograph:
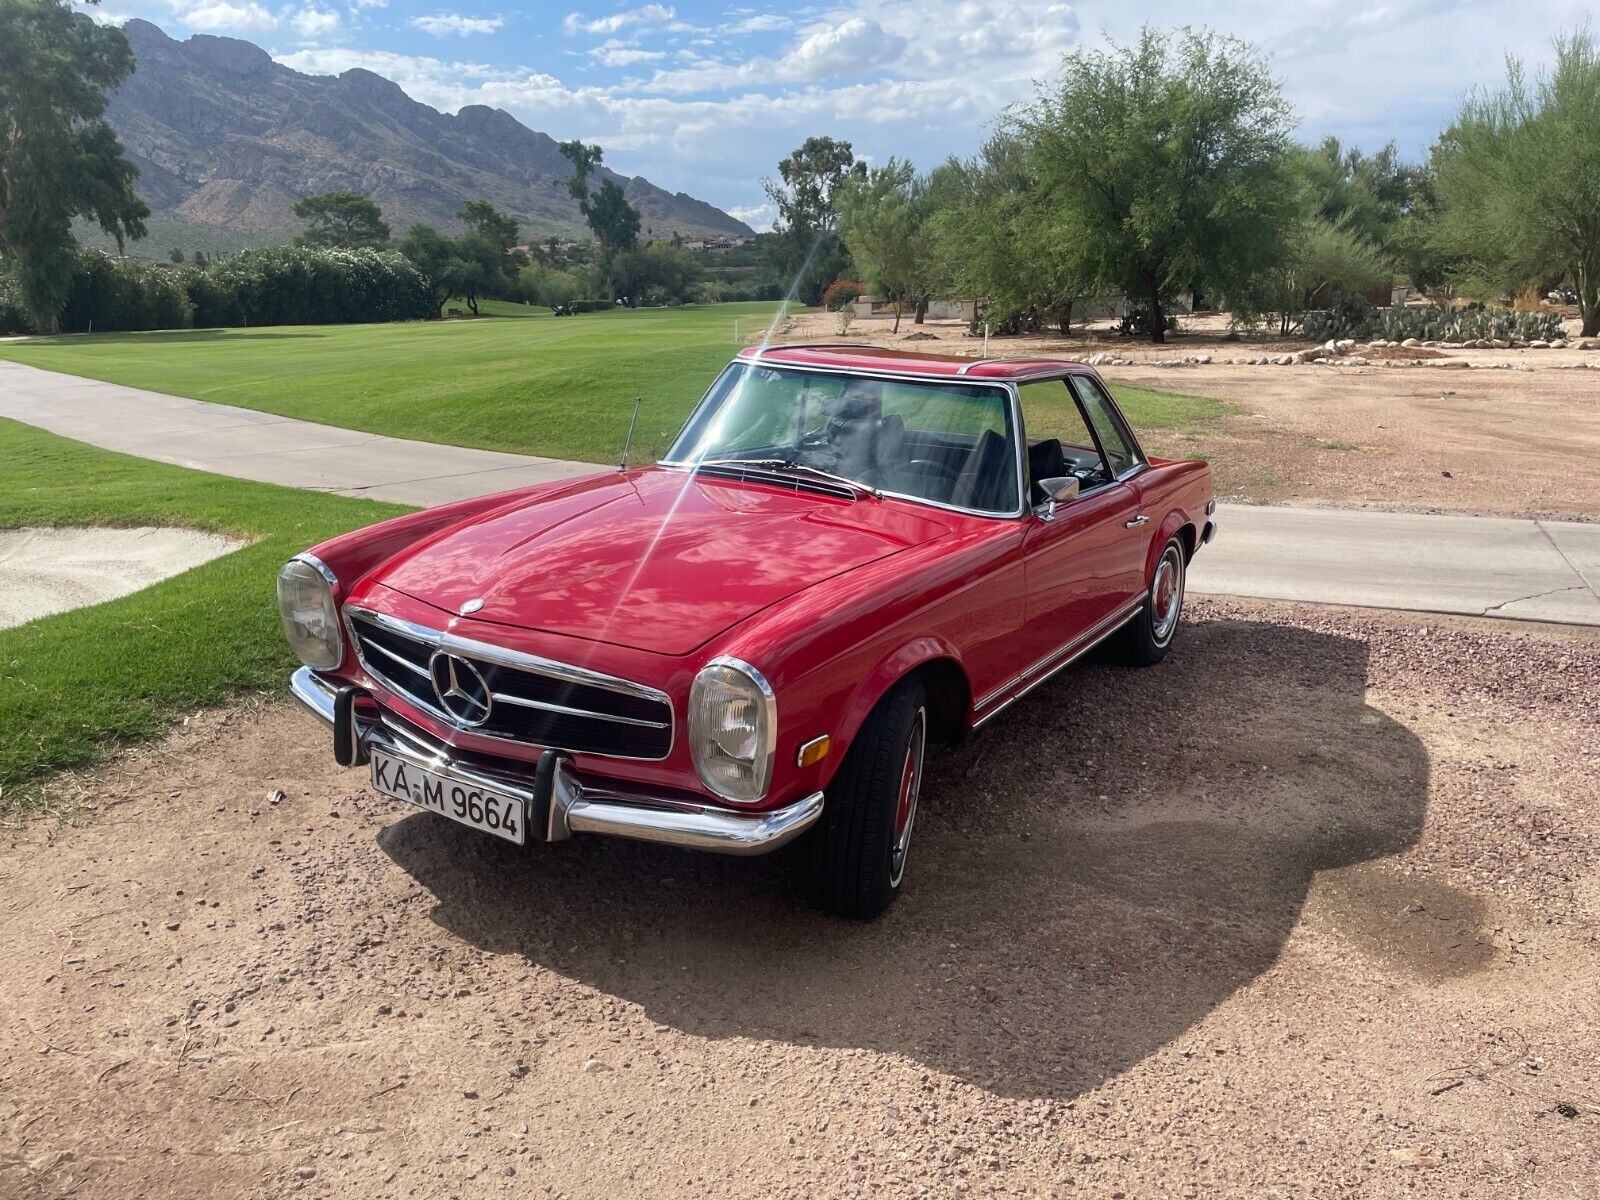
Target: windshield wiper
(786, 464)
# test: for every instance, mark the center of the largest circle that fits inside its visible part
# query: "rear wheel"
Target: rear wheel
(1146, 639)
(861, 845)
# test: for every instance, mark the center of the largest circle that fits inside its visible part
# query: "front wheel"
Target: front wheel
(1146, 639)
(862, 842)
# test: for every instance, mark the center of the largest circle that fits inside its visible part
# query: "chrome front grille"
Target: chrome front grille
(532, 700)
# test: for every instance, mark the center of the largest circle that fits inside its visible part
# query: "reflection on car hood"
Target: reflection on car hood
(655, 559)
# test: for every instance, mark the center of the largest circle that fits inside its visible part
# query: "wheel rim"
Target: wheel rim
(1166, 595)
(905, 813)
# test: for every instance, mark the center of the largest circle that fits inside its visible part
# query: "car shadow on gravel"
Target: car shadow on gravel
(1115, 858)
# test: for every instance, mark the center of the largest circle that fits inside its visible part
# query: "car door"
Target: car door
(1083, 563)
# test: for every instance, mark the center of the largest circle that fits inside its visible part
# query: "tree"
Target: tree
(59, 158)
(613, 221)
(883, 220)
(1167, 165)
(438, 257)
(483, 218)
(659, 272)
(997, 237)
(806, 248)
(1519, 179)
(341, 220)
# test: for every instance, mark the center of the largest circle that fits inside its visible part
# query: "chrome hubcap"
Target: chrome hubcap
(1166, 594)
(905, 816)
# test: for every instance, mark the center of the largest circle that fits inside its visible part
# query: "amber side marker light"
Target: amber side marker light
(812, 752)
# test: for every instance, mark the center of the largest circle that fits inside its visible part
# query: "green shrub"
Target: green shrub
(1351, 318)
(298, 285)
(1431, 324)
(120, 293)
(1396, 324)
(1136, 322)
(546, 286)
(841, 292)
(13, 317)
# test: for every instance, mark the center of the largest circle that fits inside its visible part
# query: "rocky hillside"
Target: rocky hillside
(226, 140)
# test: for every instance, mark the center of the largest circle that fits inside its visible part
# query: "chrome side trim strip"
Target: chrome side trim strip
(1116, 618)
(1072, 650)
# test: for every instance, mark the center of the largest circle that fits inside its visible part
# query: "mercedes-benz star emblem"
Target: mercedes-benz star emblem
(462, 690)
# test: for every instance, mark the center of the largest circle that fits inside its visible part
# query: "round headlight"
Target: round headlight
(310, 617)
(733, 729)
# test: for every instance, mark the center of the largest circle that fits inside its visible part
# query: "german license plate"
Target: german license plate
(480, 807)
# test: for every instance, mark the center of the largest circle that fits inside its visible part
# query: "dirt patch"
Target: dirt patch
(1311, 908)
(1522, 439)
(45, 571)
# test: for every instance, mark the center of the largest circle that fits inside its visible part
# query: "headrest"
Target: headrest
(1046, 460)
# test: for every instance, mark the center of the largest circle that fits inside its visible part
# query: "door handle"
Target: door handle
(1141, 519)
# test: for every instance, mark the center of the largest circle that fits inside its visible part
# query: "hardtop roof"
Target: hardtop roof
(844, 356)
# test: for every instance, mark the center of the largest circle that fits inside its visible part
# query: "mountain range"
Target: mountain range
(226, 140)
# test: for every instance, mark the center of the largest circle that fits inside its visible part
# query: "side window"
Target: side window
(1059, 443)
(1118, 446)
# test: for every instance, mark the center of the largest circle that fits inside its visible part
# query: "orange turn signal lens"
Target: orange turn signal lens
(813, 752)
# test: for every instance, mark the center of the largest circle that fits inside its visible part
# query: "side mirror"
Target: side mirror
(1058, 491)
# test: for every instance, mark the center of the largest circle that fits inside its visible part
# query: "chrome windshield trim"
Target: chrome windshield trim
(1015, 411)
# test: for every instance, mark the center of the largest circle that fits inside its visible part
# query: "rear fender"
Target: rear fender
(1171, 524)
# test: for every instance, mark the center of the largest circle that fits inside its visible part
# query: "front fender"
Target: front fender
(890, 670)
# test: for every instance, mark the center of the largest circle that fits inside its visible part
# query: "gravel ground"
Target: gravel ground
(1313, 908)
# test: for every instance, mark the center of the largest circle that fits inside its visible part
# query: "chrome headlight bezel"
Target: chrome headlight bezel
(741, 777)
(310, 613)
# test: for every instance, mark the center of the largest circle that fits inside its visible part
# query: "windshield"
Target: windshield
(951, 443)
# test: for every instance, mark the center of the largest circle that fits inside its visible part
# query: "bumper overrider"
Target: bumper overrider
(557, 803)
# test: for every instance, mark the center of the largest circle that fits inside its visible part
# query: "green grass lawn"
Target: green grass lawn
(74, 685)
(562, 387)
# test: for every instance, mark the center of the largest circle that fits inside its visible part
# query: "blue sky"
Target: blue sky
(705, 97)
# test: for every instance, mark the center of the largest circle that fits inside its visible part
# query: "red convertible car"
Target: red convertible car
(847, 552)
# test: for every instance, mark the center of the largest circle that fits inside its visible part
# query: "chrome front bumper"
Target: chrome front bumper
(576, 808)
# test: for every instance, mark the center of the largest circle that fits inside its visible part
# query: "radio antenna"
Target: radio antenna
(623, 465)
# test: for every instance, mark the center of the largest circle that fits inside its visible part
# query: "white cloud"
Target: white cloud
(758, 216)
(312, 23)
(617, 54)
(649, 14)
(759, 23)
(357, 5)
(853, 45)
(221, 14)
(446, 24)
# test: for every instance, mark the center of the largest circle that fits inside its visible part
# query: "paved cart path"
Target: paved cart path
(1481, 566)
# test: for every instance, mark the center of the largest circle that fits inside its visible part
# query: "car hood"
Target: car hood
(654, 559)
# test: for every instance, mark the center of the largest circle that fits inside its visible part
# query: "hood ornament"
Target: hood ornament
(470, 607)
